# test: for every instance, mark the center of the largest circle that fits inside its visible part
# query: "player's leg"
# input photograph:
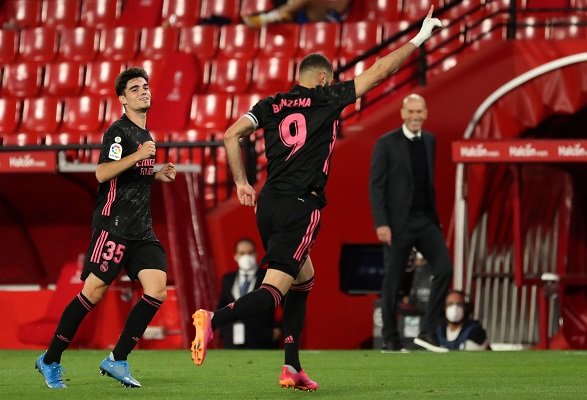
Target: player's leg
(49, 363)
(154, 281)
(294, 315)
(268, 295)
(97, 276)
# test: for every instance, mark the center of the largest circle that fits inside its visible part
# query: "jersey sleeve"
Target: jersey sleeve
(257, 113)
(342, 93)
(112, 145)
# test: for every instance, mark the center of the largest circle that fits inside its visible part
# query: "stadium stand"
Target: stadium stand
(23, 13)
(78, 44)
(38, 44)
(60, 13)
(22, 79)
(8, 46)
(100, 13)
(200, 41)
(225, 9)
(10, 112)
(64, 78)
(238, 41)
(157, 43)
(100, 76)
(119, 43)
(180, 13)
(279, 40)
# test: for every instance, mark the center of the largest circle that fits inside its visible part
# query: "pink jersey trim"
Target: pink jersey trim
(332, 143)
(111, 197)
(98, 247)
(307, 239)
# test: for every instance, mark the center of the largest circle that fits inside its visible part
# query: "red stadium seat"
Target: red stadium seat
(158, 43)
(232, 75)
(224, 8)
(532, 28)
(180, 13)
(113, 111)
(64, 78)
(272, 75)
(375, 10)
(41, 114)
(25, 139)
(119, 43)
(82, 114)
(78, 44)
(187, 155)
(392, 28)
(23, 13)
(8, 45)
(358, 37)
(100, 13)
(141, 13)
(10, 110)
(442, 47)
(100, 76)
(414, 10)
(249, 7)
(210, 112)
(319, 37)
(154, 69)
(38, 44)
(242, 103)
(200, 40)
(60, 13)
(279, 40)
(487, 29)
(567, 28)
(238, 41)
(22, 79)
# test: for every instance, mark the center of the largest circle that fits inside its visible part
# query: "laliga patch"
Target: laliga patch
(115, 152)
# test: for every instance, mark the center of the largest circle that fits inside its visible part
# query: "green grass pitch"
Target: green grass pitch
(353, 374)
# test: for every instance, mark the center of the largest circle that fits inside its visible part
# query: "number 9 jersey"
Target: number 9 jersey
(300, 130)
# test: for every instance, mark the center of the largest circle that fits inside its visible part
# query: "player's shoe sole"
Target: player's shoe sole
(430, 346)
(203, 324)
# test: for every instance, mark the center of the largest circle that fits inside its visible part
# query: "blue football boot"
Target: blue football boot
(51, 373)
(120, 371)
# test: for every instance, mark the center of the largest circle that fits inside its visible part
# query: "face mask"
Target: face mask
(454, 313)
(246, 262)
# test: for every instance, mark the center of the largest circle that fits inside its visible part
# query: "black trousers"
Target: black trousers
(422, 232)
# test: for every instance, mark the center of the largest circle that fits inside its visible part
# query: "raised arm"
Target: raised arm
(387, 65)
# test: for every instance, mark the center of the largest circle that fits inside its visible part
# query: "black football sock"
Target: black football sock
(72, 317)
(266, 297)
(294, 314)
(136, 323)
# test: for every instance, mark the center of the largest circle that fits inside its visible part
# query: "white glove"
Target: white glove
(426, 30)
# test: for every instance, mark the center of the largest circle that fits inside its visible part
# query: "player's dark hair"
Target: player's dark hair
(315, 61)
(126, 75)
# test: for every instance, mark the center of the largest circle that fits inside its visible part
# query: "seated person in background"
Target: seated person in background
(261, 330)
(459, 331)
(300, 11)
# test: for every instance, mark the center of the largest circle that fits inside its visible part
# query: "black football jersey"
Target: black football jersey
(124, 203)
(300, 129)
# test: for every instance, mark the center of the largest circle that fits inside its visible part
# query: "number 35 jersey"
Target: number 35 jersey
(300, 129)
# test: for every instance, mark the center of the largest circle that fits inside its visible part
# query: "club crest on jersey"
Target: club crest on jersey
(115, 152)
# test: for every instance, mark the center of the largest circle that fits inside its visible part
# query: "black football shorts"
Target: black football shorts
(288, 227)
(108, 254)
